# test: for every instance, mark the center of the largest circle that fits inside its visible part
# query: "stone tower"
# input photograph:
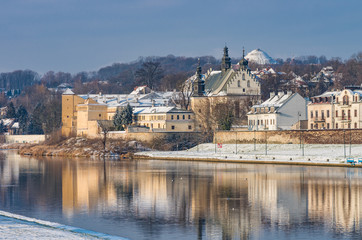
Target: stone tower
(199, 83)
(226, 61)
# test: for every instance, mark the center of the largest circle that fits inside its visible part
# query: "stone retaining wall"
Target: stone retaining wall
(335, 136)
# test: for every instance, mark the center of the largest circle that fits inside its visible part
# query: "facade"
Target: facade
(336, 110)
(164, 119)
(233, 88)
(280, 112)
(81, 113)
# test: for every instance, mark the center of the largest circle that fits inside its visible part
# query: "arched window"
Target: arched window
(345, 100)
(239, 83)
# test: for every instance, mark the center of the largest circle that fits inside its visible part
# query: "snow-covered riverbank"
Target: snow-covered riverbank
(13, 226)
(260, 153)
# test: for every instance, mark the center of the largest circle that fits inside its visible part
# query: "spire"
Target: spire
(199, 83)
(244, 63)
(226, 61)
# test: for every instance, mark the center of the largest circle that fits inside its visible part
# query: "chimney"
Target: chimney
(272, 94)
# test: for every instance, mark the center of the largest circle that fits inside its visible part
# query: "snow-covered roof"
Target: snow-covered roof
(276, 101)
(68, 92)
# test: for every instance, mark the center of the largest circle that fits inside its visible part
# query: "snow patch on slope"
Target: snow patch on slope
(260, 57)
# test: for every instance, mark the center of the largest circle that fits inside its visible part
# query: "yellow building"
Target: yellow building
(336, 110)
(165, 119)
(81, 113)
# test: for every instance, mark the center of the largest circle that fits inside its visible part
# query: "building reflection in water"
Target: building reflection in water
(222, 201)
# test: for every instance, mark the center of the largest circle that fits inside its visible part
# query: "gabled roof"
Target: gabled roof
(68, 92)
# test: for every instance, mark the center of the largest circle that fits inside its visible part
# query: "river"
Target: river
(151, 199)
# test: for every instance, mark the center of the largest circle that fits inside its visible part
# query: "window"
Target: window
(316, 114)
(322, 113)
(349, 125)
(311, 114)
(183, 116)
(343, 114)
(100, 115)
(178, 117)
(243, 89)
(337, 125)
(248, 83)
(171, 117)
(158, 125)
(327, 113)
(345, 100)
(190, 127)
(189, 116)
(311, 126)
(327, 125)
(355, 125)
(200, 110)
(349, 113)
(239, 85)
(67, 116)
(243, 76)
(336, 113)
(173, 127)
(355, 112)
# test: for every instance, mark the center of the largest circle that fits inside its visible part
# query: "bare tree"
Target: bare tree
(150, 73)
(105, 126)
(186, 90)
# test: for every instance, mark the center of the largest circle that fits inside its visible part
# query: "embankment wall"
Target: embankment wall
(336, 136)
(24, 138)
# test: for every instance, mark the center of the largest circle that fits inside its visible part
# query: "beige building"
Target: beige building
(336, 110)
(165, 119)
(81, 113)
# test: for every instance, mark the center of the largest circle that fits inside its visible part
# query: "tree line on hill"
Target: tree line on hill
(37, 95)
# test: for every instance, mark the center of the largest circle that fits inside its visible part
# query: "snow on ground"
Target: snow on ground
(13, 226)
(313, 153)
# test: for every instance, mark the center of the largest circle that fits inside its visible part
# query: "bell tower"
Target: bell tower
(199, 83)
(226, 61)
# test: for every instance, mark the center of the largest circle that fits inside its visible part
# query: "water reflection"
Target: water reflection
(218, 201)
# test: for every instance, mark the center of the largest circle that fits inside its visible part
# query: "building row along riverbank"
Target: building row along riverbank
(304, 154)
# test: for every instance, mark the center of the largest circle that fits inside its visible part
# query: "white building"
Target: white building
(279, 112)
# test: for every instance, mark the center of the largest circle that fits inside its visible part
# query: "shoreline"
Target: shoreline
(247, 161)
(282, 154)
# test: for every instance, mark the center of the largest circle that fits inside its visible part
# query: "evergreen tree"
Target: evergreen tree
(2, 127)
(35, 125)
(123, 118)
(11, 113)
(23, 118)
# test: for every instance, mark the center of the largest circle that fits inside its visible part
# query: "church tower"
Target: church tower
(226, 61)
(199, 83)
(243, 62)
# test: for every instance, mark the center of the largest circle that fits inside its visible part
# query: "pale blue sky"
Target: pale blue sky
(84, 35)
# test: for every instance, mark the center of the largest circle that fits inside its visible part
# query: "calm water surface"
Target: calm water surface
(185, 200)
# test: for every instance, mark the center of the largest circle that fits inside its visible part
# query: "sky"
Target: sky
(85, 35)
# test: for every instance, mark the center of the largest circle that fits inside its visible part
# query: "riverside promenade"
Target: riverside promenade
(293, 154)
